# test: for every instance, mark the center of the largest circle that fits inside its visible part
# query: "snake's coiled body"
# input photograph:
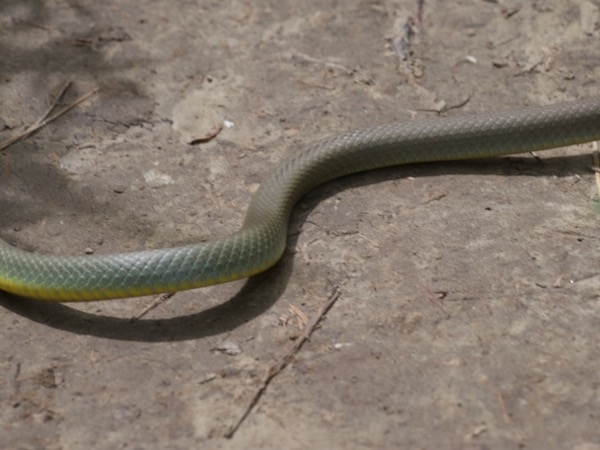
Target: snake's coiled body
(261, 240)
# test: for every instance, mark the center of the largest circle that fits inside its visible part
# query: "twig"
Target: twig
(446, 108)
(159, 300)
(46, 119)
(303, 57)
(31, 24)
(596, 160)
(456, 106)
(61, 93)
(32, 128)
(284, 361)
(420, 6)
(500, 400)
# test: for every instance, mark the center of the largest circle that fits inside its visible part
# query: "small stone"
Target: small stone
(229, 348)
(155, 179)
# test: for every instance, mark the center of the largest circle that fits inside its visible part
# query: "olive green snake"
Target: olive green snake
(261, 240)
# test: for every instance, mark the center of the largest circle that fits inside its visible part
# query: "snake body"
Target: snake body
(261, 240)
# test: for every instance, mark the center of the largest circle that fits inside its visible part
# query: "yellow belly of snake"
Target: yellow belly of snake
(261, 240)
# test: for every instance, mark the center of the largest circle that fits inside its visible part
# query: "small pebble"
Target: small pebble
(229, 348)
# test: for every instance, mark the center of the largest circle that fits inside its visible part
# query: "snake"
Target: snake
(261, 240)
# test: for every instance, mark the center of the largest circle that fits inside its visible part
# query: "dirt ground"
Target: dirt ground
(470, 291)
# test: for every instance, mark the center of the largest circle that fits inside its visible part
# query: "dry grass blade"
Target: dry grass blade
(46, 117)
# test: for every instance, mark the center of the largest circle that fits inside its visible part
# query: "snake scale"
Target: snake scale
(261, 240)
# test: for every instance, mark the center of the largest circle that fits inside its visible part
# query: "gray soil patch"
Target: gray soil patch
(470, 291)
